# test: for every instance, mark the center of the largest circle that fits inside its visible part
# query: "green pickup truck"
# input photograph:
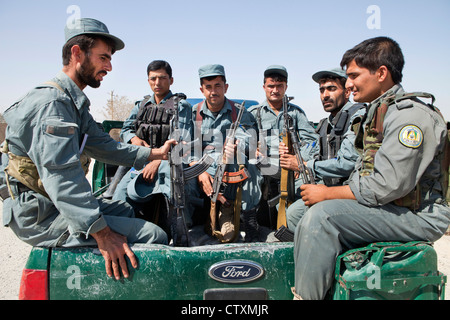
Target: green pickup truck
(237, 271)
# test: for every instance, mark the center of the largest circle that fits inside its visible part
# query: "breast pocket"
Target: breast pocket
(61, 144)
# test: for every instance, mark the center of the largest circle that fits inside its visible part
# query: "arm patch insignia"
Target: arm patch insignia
(411, 136)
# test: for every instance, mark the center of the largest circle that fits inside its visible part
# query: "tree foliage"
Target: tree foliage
(117, 107)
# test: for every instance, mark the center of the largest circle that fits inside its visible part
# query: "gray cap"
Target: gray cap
(336, 72)
(211, 70)
(277, 70)
(90, 26)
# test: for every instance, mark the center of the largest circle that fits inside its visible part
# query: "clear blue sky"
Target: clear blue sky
(245, 36)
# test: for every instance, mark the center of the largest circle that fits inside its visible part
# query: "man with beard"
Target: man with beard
(338, 155)
(47, 200)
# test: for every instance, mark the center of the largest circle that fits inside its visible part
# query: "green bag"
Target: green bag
(389, 271)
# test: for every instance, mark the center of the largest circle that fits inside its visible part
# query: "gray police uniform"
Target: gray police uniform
(138, 192)
(213, 128)
(48, 126)
(403, 161)
(336, 167)
(270, 126)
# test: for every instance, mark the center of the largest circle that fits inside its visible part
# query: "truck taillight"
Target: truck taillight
(34, 285)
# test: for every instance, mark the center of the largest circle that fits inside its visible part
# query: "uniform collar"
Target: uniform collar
(392, 91)
(333, 120)
(167, 97)
(76, 94)
(378, 101)
(206, 111)
(265, 105)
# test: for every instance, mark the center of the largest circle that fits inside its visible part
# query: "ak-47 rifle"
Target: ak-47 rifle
(178, 177)
(222, 178)
(287, 183)
(218, 182)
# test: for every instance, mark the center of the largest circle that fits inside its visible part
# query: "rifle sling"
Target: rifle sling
(236, 177)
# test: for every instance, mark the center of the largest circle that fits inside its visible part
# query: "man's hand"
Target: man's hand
(113, 248)
(314, 193)
(230, 151)
(289, 162)
(150, 171)
(205, 181)
(162, 153)
(139, 142)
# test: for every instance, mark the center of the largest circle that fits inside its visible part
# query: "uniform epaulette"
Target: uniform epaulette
(404, 104)
(253, 108)
(406, 100)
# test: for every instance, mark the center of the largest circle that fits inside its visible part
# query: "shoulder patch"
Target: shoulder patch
(411, 136)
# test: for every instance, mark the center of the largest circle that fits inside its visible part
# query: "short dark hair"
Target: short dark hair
(276, 77)
(376, 52)
(212, 78)
(160, 64)
(86, 43)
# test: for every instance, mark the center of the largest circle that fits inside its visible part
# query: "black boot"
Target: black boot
(251, 226)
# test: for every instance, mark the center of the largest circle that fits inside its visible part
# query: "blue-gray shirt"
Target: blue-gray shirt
(272, 124)
(48, 126)
(344, 163)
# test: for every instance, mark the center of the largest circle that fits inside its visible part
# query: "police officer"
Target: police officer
(47, 199)
(148, 125)
(396, 191)
(270, 121)
(338, 155)
(212, 118)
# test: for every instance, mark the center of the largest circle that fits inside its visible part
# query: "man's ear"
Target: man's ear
(382, 73)
(347, 92)
(77, 53)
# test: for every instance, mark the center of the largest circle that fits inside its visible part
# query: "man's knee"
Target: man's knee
(149, 233)
(314, 216)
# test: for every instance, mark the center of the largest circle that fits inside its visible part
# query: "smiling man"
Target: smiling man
(397, 190)
(47, 200)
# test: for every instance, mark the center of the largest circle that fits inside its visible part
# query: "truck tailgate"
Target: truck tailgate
(166, 273)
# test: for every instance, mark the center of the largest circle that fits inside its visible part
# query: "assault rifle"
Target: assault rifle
(287, 187)
(178, 177)
(218, 182)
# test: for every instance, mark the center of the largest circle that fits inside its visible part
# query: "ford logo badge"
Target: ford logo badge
(236, 271)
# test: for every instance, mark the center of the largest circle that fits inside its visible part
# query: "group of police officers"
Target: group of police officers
(378, 167)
